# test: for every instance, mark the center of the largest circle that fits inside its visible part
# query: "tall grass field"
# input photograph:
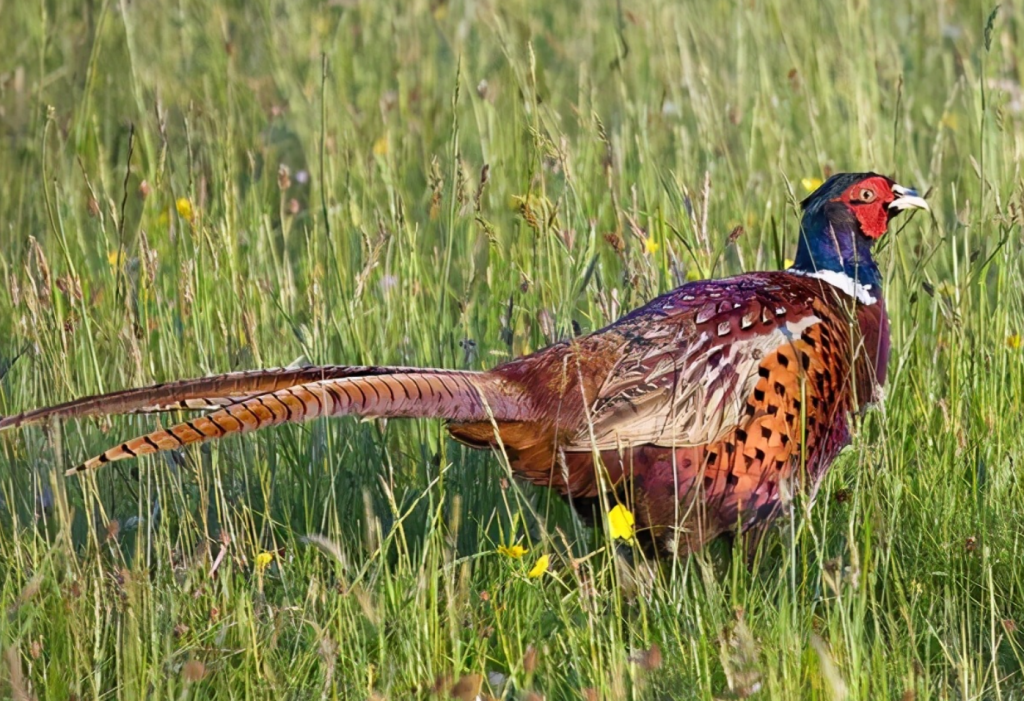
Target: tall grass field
(190, 187)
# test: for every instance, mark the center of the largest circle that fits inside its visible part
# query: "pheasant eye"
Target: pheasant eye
(866, 195)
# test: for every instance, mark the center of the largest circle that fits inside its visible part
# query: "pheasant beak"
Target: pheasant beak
(906, 199)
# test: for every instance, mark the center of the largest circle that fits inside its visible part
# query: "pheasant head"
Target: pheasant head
(842, 220)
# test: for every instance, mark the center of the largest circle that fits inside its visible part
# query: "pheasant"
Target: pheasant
(695, 408)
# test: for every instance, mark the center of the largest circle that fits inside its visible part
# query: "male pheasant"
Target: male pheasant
(694, 408)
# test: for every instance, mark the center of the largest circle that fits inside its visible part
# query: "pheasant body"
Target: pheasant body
(700, 409)
(711, 395)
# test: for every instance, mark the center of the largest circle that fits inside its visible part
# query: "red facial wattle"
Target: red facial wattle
(873, 216)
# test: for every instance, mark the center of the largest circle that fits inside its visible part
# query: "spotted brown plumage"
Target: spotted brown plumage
(700, 409)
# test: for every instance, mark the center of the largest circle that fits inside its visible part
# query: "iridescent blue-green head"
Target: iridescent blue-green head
(842, 220)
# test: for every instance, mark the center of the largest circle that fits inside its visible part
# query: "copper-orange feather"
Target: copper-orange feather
(453, 395)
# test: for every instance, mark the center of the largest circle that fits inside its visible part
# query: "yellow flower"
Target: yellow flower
(512, 551)
(620, 523)
(811, 184)
(380, 146)
(263, 560)
(1013, 341)
(539, 568)
(650, 245)
(115, 258)
(692, 275)
(949, 121)
(788, 263)
(184, 208)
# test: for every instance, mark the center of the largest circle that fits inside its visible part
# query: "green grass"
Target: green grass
(383, 243)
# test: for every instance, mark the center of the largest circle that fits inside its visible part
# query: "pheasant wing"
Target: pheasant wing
(692, 360)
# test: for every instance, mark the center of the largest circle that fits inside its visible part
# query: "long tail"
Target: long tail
(395, 392)
(204, 393)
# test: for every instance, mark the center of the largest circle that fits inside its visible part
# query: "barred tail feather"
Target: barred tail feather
(453, 395)
(203, 393)
(202, 404)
